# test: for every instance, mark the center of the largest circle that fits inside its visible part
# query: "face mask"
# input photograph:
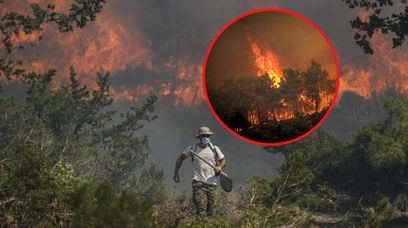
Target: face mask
(205, 140)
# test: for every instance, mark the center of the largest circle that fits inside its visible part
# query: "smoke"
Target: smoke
(128, 36)
(385, 69)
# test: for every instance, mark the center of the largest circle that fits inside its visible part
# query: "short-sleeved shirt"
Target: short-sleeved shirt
(201, 171)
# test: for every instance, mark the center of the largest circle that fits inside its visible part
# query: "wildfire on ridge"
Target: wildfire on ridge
(112, 45)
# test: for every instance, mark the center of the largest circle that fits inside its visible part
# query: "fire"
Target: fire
(385, 69)
(114, 42)
(267, 63)
(304, 104)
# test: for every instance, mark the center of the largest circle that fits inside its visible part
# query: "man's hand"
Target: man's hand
(176, 178)
(218, 169)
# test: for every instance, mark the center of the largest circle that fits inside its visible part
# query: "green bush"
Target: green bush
(33, 193)
(101, 207)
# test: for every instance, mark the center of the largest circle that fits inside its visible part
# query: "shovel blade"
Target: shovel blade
(226, 182)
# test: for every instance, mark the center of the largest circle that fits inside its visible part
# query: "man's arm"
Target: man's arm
(179, 162)
(223, 163)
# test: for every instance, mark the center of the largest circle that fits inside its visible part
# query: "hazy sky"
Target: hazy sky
(294, 41)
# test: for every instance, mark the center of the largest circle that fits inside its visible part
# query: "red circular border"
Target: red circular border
(279, 11)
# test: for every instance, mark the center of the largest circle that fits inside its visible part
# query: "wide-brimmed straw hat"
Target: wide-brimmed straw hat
(204, 131)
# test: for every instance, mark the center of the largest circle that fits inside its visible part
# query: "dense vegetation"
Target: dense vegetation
(66, 159)
(258, 109)
(61, 138)
(360, 182)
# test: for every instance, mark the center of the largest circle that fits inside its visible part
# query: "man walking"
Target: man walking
(204, 177)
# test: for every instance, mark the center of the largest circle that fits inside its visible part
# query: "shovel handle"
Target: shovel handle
(202, 159)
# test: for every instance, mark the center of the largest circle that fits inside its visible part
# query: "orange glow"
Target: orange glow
(305, 106)
(253, 118)
(267, 63)
(386, 68)
(112, 45)
(188, 90)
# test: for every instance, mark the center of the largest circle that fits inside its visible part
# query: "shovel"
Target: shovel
(225, 181)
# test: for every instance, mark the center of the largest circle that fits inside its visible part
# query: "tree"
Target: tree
(379, 155)
(325, 155)
(317, 83)
(13, 24)
(293, 181)
(372, 162)
(271, 96)
(293, 87)
(396, 23)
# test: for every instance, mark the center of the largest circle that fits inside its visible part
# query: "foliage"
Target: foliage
(174, 212)
(58, 138)
(32, 192)
(292, 183)
(316, 82)
(379, 153)
(150, 185)
(372, 161)
(325, 155)
(247, 215)
(377, 21)
(71, 124)
(259, 190)
(75, 135)
(324, 199)
(258, 216)
(13, 24)
(377, 216)
(100, 207)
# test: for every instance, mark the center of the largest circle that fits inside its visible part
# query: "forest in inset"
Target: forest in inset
(275, 106)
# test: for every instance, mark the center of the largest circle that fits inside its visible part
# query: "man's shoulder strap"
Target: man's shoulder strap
(212, 147)
(192, 156)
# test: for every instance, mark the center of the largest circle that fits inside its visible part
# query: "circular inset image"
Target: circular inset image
(271, 77)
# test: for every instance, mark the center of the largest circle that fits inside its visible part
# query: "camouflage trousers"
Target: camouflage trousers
(203, 197)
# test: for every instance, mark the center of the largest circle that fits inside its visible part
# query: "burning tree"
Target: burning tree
(318, 85)
(299, 97)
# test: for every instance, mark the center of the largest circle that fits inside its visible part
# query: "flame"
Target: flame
(305, 105)
(386, 68)
(253, 118)
(267, 63)
(189, 90)
(114, 43)
(104, 45)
